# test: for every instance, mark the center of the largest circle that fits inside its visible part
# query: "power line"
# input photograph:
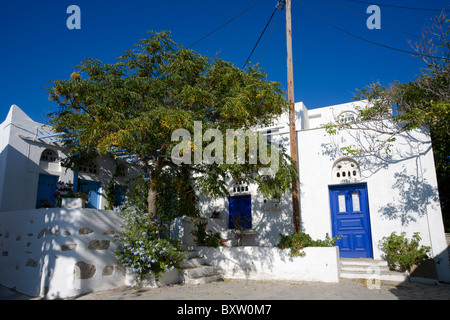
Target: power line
(270, 34)
(367, 40)
(383, 24)
(223, 25)
(394, 6)
(262, 33)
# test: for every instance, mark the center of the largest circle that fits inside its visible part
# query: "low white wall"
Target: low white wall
(57, 253)
(319, 264)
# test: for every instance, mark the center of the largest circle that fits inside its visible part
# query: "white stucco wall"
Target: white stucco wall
(267, 263)
(58, 253)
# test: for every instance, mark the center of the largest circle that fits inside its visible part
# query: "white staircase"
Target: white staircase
(195, 271)
(359, 268)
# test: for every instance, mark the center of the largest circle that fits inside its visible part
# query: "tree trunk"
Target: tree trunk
(151, 201)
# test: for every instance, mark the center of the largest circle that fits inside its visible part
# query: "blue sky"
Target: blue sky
(36, 45)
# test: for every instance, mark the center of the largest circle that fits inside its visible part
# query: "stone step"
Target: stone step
(195, 270)
(193, 263)
(363, 262)
(203, 271)
(364, 266)
(193, 254)
(369, 269)
(384, 275)
(204, 280)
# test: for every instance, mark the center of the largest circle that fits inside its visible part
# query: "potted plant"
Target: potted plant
(65, 197)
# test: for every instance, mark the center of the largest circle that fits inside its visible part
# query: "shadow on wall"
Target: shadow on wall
(415, 194)
(269, 220)
(57, 253)
(269, 263)
(20, 176)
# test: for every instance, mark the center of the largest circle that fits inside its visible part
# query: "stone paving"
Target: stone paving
(242, 290)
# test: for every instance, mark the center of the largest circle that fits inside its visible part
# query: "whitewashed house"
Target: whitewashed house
(362, 199)
(30, 167)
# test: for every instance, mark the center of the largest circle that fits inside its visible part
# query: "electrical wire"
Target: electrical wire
(383, 24)
(271, 31)
(394, 6)
(262, 33)
(367, 40)
(223, 25)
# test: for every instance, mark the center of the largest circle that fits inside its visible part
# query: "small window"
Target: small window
(122, 170)
(347, 117)
(90, 168)
(49, 156)
(341, 201)
(345, 169)
(239, 187)
(355, 201)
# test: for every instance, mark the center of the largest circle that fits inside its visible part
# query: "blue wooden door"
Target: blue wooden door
(240, 209)
(46, 190)
(119, 195)
(94, 194)
(350, 220)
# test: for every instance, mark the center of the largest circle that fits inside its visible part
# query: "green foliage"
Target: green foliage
(141, 246)
(402, 253)
(135, 104)
(205, 237)
(297, 241)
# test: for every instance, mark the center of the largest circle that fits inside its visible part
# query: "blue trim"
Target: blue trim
(51, 135)
(75, 180)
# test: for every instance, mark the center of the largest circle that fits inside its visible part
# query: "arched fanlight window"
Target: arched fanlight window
(49, 155)
(347, 117)
(90, 168)
(122, 170)
(345, 169)
(239, 187)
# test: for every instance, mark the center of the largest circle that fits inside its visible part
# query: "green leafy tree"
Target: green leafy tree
(424, 102)
(135, 104)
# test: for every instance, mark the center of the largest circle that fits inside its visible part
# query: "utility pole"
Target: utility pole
(293, 132)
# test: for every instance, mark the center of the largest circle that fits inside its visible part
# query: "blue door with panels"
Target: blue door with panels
(94, 192)
(46, 190)
(119, 195)
(350, 220)
(240, 211)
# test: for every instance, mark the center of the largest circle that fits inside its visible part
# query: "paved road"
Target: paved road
(243, 290)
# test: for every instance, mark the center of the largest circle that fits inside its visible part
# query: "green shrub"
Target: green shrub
(401, 253)
(297, 241)
(205, 237)
(141, 246)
